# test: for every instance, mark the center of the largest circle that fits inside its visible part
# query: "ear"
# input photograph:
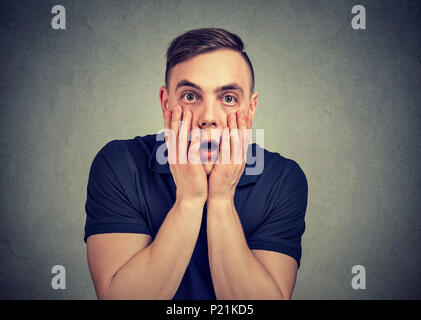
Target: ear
(253, 104)
(163, 97)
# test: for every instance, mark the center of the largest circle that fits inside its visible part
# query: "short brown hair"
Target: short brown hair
(195, 42)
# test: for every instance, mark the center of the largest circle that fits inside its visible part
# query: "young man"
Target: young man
(196, 229)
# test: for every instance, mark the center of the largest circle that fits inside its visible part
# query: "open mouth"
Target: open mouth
(209, 150)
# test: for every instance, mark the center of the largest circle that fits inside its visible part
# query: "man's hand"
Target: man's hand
(187, 170)
(232, 157)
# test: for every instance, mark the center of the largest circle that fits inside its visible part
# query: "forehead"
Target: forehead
(213, 69)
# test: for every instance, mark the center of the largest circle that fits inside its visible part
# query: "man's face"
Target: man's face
(210, 85)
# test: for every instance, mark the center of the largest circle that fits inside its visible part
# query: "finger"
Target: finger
(241, 120)
(225, 147)
(194, 148)
(242, 126)
(175, 120)
(167, 122)
(215, 134)
(167, 119)
(189, 128)
(232, 123)
(183, 137)
(249, 122)
(235, 141)
(171, 143)
(175, 124)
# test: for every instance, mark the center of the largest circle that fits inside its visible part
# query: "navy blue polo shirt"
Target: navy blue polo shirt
(130, 191)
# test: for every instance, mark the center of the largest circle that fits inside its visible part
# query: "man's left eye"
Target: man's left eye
(230, 99)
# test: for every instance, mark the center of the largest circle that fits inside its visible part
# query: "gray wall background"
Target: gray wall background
(344, 104)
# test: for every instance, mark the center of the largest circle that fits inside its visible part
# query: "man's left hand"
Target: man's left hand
(232, 157)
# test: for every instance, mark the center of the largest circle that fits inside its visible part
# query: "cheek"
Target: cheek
(173, 101)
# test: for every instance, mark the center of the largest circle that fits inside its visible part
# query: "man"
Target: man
(192, 229)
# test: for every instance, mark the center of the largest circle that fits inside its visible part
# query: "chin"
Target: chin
(208, 168)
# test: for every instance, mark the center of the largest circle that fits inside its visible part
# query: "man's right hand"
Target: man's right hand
(189, 176)
(132, 266)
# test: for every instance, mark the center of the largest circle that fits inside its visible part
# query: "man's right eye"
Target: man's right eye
(189, 96)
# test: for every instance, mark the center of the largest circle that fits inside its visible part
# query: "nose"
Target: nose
(208, 118)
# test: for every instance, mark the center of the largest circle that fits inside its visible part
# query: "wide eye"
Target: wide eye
(189, 96)
(229, 99)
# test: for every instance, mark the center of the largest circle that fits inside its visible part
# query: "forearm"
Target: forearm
(156, 271)
(236, 272)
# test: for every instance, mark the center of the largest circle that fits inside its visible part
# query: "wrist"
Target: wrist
(221, 209)
(226, 196)
(189, 209)
(193, 203)
(190, 198)
(220, 203)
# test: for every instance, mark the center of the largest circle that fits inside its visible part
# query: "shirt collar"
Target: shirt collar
(155, 166)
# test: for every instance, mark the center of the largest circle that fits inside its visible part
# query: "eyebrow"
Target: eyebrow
(231, 86)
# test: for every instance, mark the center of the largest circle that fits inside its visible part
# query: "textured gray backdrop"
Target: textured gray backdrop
(344, 104)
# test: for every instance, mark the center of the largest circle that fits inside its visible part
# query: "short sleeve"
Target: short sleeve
(111, 198)
(284, 225)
